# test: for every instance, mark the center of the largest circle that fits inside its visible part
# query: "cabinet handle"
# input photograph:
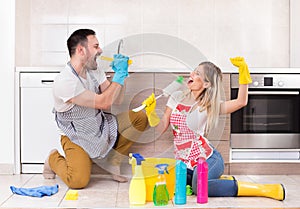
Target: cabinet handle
(47, 82)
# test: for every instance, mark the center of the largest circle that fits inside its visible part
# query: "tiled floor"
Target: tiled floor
(102, 192)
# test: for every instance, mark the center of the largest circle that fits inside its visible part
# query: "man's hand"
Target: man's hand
(120, 67)
(120, 63)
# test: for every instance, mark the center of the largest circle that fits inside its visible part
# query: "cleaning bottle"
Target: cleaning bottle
(174, 86)
(160, 194)
(167, 91)
(202, 181)
(137, 187)
(180, 185)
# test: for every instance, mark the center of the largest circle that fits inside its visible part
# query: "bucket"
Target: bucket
(151, 174)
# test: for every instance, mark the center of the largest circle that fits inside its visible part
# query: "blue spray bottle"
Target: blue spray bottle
(160, 193)
(180, 186)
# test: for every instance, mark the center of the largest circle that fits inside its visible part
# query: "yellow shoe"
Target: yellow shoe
(275, 191)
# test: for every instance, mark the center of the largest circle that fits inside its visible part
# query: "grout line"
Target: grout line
(116, 203)
(62, 199)
(12, 194)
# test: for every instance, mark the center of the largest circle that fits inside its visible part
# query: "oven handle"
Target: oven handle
(273, 92)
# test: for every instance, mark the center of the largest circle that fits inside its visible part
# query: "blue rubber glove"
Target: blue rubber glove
(119, 77)
(120, 67)
(120, 63)
(35, 192)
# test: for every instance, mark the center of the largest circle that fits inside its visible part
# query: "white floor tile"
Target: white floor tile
(92, 199)
(11, 180)
(103, 192)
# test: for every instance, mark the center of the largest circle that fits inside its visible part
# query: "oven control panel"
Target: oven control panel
(268, 81)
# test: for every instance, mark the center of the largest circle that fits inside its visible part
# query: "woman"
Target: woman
(193, 114)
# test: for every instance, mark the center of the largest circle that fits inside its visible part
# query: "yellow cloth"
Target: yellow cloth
(244, 75)
(150, 103)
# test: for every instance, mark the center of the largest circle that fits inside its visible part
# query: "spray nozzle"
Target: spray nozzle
(139, 158)
(162, 168)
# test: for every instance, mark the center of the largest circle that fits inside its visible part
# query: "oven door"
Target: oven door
(270, 120)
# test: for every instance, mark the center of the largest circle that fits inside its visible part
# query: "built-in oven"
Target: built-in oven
(269, 126)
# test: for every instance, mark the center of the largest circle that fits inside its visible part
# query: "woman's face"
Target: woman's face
(197, 81)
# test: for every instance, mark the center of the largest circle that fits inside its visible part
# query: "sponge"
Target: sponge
(71, 195)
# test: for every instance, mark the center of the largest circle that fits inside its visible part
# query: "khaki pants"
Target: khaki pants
(75, 168)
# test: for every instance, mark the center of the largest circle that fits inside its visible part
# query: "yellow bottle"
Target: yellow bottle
(137, 188)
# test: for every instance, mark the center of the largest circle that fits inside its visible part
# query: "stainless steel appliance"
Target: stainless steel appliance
(271, 119)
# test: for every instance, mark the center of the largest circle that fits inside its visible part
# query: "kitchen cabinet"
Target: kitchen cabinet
(223, 144)
(139, 87)
(38, 131)
(294, 33)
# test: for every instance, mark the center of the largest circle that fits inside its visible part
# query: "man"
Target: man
(87, 133)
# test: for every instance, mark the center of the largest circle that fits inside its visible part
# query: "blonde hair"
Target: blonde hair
(210, 98)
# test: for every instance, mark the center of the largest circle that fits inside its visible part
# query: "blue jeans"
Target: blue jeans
(216, 187)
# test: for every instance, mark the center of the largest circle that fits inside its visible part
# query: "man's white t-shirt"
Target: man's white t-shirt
(67, 85)
(92, 129)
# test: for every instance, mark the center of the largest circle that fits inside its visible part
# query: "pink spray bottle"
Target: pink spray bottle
(202, 181)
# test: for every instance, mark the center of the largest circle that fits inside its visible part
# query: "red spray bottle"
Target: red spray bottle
(202, 181)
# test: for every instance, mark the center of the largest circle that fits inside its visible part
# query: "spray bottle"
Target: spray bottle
(202, 181)
(172, 87)
(160, 194)
(137, 188)
(180, 186)
(167, 91)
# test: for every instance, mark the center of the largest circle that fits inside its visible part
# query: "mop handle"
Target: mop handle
(143, 106)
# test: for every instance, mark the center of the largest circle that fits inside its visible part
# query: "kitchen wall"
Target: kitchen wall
(294, 33)
(256, 29)
(7, 59)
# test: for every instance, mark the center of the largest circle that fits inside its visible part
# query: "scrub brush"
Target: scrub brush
(172, 87)
(112, 59)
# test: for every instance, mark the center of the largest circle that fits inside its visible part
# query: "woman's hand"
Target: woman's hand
(150, 104)
(244, 75)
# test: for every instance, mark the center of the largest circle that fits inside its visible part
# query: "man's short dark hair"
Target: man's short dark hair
(78, 37)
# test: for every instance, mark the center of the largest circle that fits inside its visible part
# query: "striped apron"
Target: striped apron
(91, 129)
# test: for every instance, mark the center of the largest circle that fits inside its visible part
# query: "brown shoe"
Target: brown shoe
(48, 173)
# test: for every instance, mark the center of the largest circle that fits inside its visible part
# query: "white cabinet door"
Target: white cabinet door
(38, 127)
(294, 33)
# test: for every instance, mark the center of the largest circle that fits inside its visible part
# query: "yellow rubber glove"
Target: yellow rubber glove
(244, 75)
(150, 103)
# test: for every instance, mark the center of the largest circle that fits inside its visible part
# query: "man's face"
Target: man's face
(93, 51)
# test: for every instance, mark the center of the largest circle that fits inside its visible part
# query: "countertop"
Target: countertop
(164, 70)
